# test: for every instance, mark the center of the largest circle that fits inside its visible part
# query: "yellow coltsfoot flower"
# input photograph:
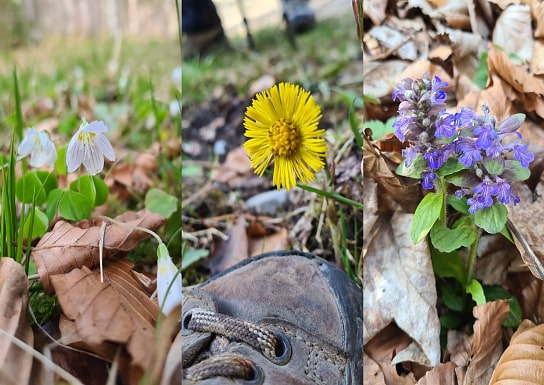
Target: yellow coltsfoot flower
(282, 126)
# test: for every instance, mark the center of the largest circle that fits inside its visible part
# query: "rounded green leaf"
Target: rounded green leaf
(74, 206)
(35, 185)
(447, 240)
(427, 212)
(492, 219)
(160, 202)
(93, 188)
(416, 168)
(458, 204)
(39, 226)
(450, 166)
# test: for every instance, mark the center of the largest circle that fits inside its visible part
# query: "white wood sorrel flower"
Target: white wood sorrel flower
(166, 271)
(39, 146)
(89, 146)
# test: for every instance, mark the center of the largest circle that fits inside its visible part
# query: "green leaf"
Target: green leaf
(513, 171)
(72, 205)
(160, 202)
(452, 165)
(482, 72)
(36, 184)
(427, 212)
(93, 188)
(60, 163)
(416, 168)
(460, 205)
(492, 166)
(39, 225)
(513, 318)
(448, 265)
(379, 129)
(452, 300)
(492, 219)
(447, 240)
(463, 178)
(475, 289)
(191, 256)
(452, 320)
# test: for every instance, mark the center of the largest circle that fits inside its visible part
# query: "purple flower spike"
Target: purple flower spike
(503, 192)
(427, 178)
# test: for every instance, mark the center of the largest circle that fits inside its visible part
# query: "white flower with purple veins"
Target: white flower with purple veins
(89, 146)
(39, 146)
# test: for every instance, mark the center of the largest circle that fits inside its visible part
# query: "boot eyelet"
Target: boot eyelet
(257, 379)
(185, 323)
(283, 350)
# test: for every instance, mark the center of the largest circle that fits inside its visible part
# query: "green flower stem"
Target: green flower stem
(331, 195)
(444, 188)
(472, 257)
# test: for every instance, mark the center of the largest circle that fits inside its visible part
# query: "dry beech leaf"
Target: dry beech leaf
(136, 175)
(529, 291)
(235, 249)
(235, 168)
(443, 374)
(529, 89)
(171, 374)
(523, 360)
(15, 364)
(372, 373)
(69, 246)
(272, 242)
(380, 351)
(115, 311)
(375, 167)
(400, 286)
(513, 31)
(487, 340)
(537, 10)
(525, 224)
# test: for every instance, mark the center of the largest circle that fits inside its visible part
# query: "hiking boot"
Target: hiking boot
(278, 318)
(298, 15)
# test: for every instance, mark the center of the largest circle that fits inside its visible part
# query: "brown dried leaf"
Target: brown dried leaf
(537, 10)
(443, 374)
(375, 167)
(523, 360)
(529, 291)
(380, 351)
(525, 224)
(133, 176)
(400, 286)
(271, 242)
(69, 246)
(486, 341)
(529, 89)
(117, 311)
(233, 250)
(235, 168)
(513, 31)
(15, 364)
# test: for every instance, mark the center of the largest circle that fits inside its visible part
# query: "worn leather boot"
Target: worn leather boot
(278, 318)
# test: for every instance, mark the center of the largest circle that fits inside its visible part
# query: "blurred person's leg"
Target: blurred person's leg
(298, 14)
(201, 26)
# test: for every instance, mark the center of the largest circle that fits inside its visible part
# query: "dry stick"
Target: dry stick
(43, 359)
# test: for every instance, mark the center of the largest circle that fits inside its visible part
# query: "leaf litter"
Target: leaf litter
(448, 39)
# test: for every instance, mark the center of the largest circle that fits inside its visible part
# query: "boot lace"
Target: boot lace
(228, 365)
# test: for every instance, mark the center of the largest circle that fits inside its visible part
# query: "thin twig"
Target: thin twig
(43, 359)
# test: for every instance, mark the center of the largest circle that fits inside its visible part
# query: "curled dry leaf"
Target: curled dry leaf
(15, 364)
(529, 291)
(523, 360)
(400, 286)
(116, 311)
(477, 355)
(487, 340)
(513, 31)
(525, 224)
(69, 246)
(375, 166)
(443, 374)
